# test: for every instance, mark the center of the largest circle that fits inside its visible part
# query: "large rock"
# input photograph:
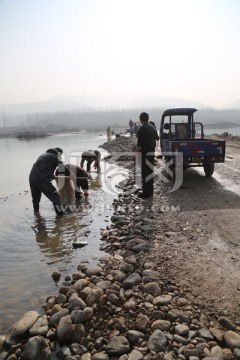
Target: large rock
(228, 324)
(79, 285)
(162, 300)
(117, 346)
(216, 333)
(134, 336)
(163, 325)
(157, 341)
(119, 276)
(100, 356)
(76, 303)
(142, 322)
(135, 355)
(181, 329)
(126, 268)
(65, 329)
(206, 334)
(40, 327)
(152, 288)
(36, 348)
(57, 316)
(140, 248)
(232, 339)
(24, 324)
(95, 270)
(132, 280)
(104, 284)
(216, 351)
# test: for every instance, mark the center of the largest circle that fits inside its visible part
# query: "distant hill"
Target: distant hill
(93, 102)
(50, 105)
(100, 103)
(84, 112)
(167, 102)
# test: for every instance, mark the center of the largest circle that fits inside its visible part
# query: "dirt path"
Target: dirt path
(199, 246)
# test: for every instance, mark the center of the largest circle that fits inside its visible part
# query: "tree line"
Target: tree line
(114, 117)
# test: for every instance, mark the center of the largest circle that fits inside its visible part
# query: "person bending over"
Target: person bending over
(66, 173)
(91, 156)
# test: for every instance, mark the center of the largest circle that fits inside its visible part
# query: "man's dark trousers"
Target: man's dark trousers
(47, 188)
(147, 173)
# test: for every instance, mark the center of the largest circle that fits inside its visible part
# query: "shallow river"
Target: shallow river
(31, 246)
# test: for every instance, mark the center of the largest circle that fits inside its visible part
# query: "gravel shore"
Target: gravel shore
(128, 306)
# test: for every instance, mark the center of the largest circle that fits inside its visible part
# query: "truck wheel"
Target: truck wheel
(208, 169)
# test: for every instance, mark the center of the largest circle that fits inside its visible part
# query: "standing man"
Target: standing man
(41, 177)
(146, 143)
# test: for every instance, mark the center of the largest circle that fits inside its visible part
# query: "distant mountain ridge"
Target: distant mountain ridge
(72, 103)
(91, 102)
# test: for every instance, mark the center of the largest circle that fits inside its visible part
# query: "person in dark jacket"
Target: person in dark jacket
(40, 180)
(91, 156)
(147, 136)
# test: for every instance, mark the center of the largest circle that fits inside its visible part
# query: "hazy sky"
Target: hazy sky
(189, 49)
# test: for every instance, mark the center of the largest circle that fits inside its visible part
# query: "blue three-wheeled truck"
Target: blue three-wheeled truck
(179, 134)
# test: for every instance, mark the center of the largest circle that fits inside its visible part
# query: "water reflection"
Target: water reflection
(95, 181)
(55, 237)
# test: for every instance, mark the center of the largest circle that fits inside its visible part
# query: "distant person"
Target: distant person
(146, 147)
(40, 180)
(67, 173)
(109, 134)
(131, 123)
(91, 156)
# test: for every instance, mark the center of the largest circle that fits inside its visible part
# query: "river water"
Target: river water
(31, 246)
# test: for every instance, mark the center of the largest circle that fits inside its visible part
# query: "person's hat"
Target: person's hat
(52, 151)
(59, 150)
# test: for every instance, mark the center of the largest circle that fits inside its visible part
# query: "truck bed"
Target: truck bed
(197, 150)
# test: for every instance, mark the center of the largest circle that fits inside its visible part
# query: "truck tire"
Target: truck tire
(208, 169)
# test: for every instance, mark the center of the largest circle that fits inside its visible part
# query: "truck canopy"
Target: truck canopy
(179, 111)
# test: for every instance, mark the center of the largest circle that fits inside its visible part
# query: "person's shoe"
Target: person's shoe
(144, 196)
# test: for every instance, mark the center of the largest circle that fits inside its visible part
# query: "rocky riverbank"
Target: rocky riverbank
(129, 306)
